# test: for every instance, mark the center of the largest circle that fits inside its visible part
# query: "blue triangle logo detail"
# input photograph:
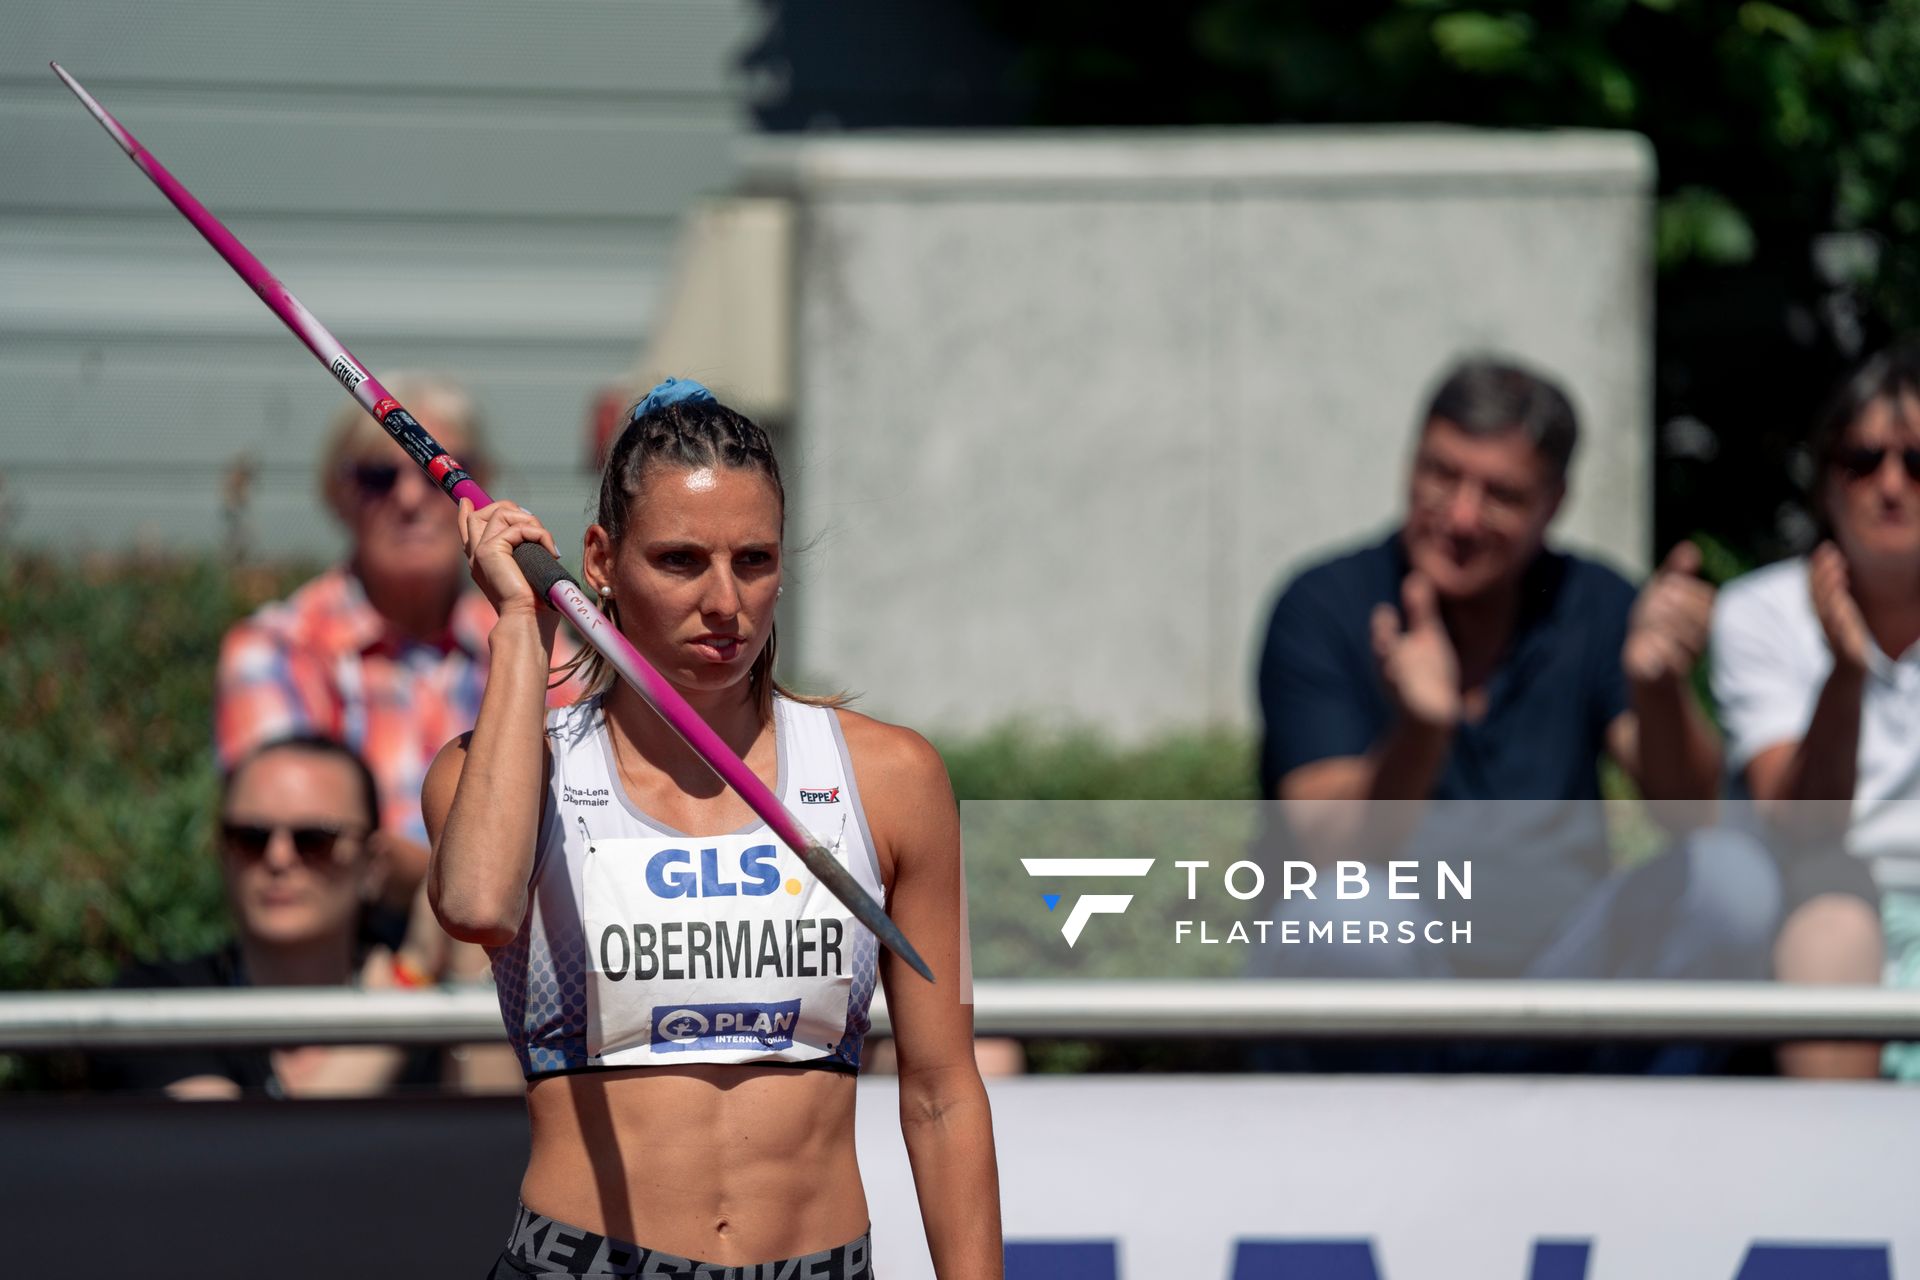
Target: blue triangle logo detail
(1051, 899)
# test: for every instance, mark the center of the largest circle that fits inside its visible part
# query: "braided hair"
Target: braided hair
(680, 425)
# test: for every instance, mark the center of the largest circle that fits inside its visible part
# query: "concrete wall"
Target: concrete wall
(1070, 406)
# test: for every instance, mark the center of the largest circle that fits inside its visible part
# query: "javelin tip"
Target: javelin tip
(99, 113)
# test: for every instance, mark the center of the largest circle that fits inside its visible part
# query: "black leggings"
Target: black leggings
(540, 1246)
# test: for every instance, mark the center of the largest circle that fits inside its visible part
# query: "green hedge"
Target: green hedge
(106, 766)
(107, 788)
(107, 779)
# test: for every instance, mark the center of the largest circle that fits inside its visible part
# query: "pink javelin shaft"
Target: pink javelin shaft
(548, 576)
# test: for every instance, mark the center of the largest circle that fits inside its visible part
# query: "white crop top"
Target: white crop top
(643, 946)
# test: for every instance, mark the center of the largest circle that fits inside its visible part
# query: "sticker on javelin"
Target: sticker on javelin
(384, 407)
(445, 466)
(347, 371)
(423, 448)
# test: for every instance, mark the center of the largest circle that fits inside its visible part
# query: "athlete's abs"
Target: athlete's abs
(732, 1163)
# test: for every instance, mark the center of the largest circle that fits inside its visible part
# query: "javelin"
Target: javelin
(549, 578)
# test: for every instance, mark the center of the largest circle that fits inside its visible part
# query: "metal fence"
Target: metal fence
(46, 1021)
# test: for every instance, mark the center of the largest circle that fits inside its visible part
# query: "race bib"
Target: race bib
(713, 949)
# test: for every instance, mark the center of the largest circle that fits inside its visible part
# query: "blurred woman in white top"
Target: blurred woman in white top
(1816, 667)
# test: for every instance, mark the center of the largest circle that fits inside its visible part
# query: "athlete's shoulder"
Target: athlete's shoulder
(903, 789)
(892, 755)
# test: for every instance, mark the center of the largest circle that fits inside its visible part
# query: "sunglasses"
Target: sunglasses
(1860, 462)
(317, 846)
(373, 479)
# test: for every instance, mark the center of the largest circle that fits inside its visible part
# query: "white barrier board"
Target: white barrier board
(1444, 1179)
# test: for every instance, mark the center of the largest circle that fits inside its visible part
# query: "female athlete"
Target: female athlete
(687, 1002)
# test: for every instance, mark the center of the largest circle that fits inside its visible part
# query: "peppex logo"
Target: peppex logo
(829, 796)
(1088, 904)
(684, 1028)
(344, 369)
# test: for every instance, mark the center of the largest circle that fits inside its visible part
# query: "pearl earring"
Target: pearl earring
(778, 592)
(606, 592)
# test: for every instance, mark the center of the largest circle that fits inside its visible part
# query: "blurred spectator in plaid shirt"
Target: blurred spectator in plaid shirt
(388, 651)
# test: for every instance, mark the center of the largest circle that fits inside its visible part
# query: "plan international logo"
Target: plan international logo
(1088, 904)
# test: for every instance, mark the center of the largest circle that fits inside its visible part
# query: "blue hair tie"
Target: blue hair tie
(671, 391)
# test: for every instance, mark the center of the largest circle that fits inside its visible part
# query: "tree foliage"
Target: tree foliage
(1788, 137)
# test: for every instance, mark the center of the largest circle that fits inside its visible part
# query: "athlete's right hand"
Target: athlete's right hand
(490, 534)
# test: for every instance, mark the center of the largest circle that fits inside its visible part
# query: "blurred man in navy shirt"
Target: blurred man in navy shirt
(1462, 660)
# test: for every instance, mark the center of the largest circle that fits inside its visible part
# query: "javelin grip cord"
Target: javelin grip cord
(542, 570)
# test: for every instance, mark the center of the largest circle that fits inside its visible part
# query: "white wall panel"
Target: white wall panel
(490, 189)
(1075, 404)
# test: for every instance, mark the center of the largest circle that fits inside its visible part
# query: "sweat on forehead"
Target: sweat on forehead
(677, 493)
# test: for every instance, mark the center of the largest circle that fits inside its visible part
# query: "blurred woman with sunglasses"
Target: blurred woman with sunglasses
(1816, 667)
(296, 820)
(386, 652)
